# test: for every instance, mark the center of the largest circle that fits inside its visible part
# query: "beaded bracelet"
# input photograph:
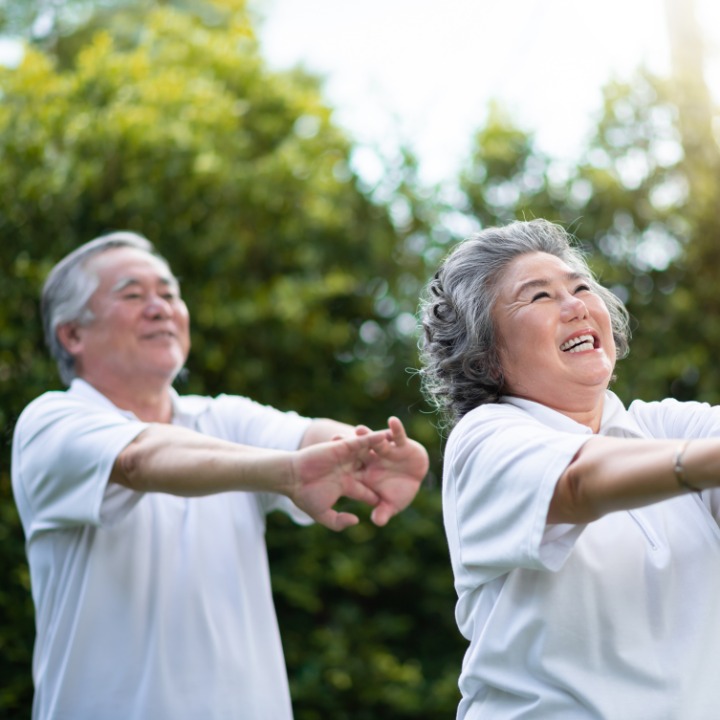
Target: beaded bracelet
(680, 470)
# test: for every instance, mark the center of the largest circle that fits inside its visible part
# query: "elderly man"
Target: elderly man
(144, 511)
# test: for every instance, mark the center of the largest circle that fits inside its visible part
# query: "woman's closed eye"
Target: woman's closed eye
(583, 287)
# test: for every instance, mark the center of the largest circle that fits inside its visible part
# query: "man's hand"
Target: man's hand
(325, 472)
(382, 468)
(394, 471)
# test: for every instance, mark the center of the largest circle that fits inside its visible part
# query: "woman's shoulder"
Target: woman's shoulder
(494, 420)
(672, 418)
(491, 413)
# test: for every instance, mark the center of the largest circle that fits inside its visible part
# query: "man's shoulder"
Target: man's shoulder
(50, 407)
(213, 414)
(53, 405)
(240, 419)
(195, 405)
(224, 402)
(46, 403)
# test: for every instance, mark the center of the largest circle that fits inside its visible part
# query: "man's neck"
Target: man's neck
(150, 402)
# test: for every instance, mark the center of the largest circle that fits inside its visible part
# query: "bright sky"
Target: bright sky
(424, 70)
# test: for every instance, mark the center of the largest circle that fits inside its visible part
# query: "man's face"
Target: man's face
(140, 329)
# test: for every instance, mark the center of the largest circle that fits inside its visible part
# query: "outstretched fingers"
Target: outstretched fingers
(330, 471)
(399, 436)
(357, 490)
(395, 472)
(381, 468)
(382, 513)
(337, 521)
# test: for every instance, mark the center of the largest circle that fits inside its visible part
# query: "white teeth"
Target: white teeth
(581, 348)
(578, 344)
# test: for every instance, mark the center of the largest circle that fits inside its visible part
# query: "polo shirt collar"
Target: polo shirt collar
(615, 418)
(87, 392)
(185, 409)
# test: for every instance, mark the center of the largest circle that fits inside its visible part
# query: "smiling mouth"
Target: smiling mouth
(581, 343)
(159, 335)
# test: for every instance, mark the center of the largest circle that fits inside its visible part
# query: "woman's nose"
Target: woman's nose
(573, 308)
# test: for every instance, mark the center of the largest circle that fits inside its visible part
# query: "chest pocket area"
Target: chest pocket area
(645, 528)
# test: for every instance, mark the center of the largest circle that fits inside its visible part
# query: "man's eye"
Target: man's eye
(539, 296)
(582, 288)
(131, 296)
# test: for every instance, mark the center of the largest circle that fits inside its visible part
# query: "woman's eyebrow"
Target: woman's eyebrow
(544, 282)
(531, 285)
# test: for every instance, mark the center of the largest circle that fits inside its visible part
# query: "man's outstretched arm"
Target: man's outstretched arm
(165, 458)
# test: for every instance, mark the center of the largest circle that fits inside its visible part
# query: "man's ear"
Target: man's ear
(69, 336)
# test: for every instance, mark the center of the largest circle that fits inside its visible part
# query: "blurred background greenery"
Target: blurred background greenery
(302, 280)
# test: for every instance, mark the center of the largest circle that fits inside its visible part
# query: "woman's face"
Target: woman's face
(555, 335)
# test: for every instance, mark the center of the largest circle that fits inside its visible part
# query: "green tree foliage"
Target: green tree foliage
(301, 284)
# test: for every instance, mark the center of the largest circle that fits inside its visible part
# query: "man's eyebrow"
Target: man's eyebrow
(126, 282)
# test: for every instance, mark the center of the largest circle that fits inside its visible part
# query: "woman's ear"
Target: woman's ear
(69, 337)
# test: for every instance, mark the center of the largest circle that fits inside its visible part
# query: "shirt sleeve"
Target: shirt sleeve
(672, 418)
(63, 454)
(241, 420)
(499, 477)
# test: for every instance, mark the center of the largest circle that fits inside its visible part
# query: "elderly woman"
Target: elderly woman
(583, 535)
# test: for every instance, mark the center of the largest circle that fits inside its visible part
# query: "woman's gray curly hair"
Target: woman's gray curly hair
(458, 347)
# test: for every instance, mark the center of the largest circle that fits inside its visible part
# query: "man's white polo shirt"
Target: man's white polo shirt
(148, 606)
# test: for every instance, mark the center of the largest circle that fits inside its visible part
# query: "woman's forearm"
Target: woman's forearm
(610, 474)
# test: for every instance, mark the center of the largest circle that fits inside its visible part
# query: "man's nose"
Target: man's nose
(157, 306)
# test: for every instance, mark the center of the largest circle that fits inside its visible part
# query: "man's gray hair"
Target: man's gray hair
(458, 347)
(68, 289)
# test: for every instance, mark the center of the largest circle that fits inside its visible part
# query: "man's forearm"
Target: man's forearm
(166, 458)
